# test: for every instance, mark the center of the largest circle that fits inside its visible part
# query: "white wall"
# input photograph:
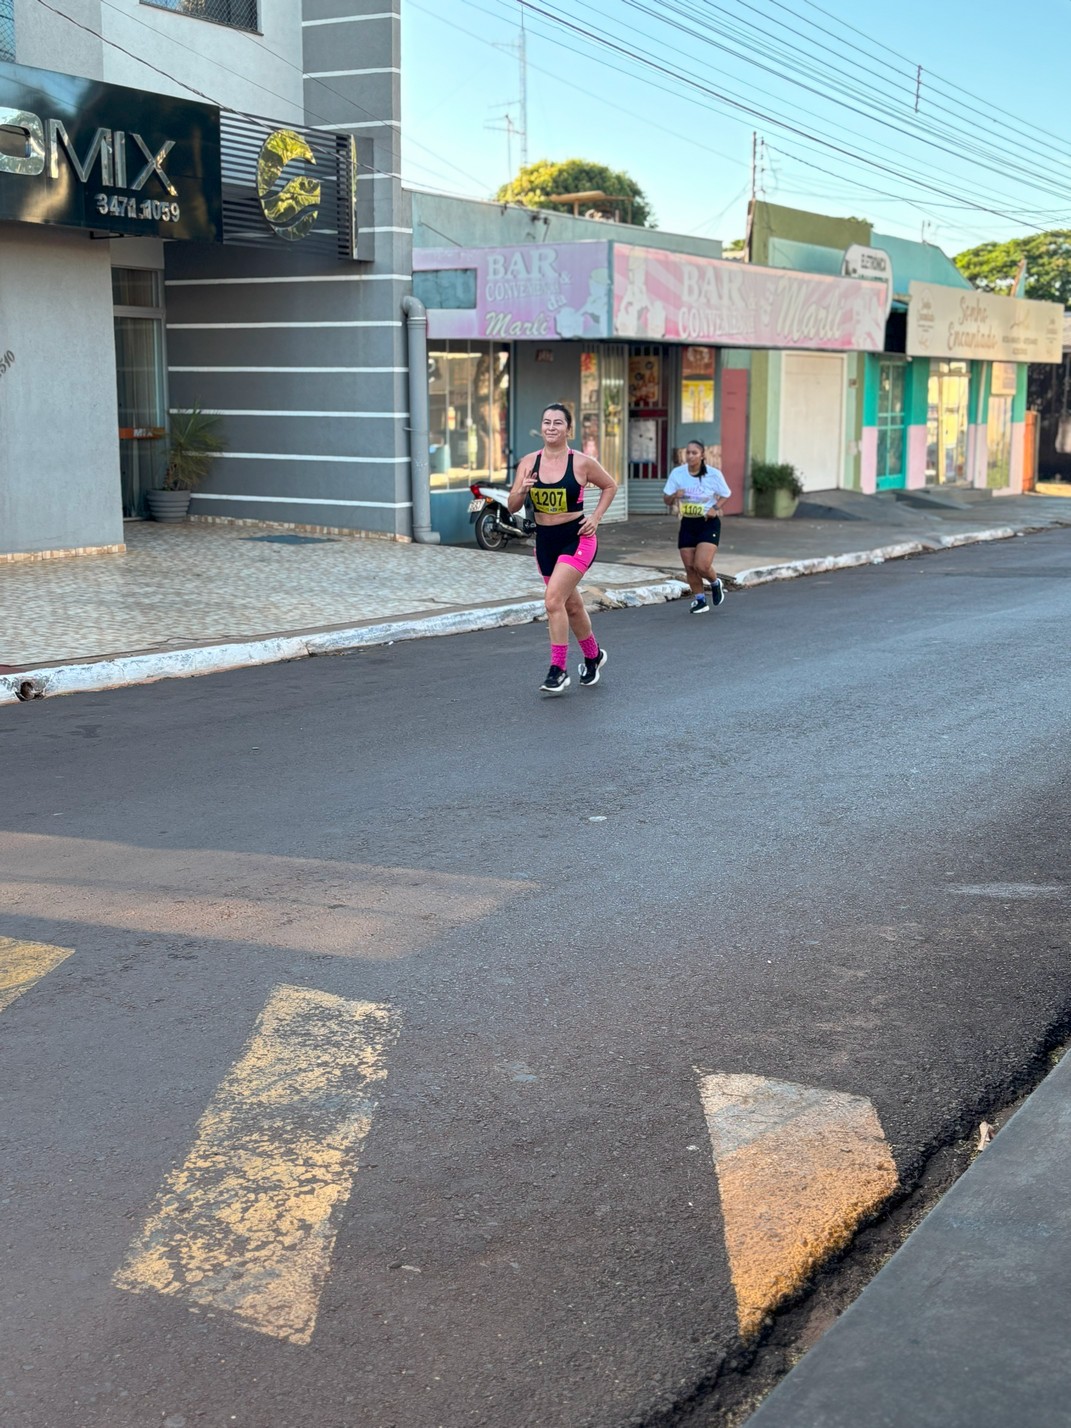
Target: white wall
(59, 446)
(176, 54)
(45, 40)
(256, 73)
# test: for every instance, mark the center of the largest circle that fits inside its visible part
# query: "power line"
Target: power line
(995, 162)
(758, 40)
(947, 82)
(912, 74)
(1012, 209)
(764, 116)
(309, 113)
(675, 78)
(549, 74)
(734, 100)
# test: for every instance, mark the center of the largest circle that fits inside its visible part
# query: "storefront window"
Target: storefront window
(612, 406)
(590, 423)
(604, 379)
(998, 442)
(648, 414)
(890, 425)
(468, 402)
(946, 427)
(697, 385)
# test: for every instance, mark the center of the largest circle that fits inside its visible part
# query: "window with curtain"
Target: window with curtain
(137, 294)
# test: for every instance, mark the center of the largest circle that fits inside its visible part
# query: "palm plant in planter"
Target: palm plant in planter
(192, 443)
(775, 488)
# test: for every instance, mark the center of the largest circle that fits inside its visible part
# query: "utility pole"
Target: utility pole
(510, 127)
(519, 47)
(754, 153)
(751, 203)
(758, 167)
(522, 55)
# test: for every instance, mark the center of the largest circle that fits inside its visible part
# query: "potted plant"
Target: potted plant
(192, 442)
(775, 488)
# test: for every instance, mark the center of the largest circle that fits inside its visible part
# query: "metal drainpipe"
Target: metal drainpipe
(416, 319)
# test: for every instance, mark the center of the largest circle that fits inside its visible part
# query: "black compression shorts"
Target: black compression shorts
(696, 530)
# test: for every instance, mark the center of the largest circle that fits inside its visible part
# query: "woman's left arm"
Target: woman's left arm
(596, 475)
(723, 494)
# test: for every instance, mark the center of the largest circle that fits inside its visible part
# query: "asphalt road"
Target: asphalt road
(831, 849)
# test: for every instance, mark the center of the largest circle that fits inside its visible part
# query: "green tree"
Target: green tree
(993, 266)
(535, 183)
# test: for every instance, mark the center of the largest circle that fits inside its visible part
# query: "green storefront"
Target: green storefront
(944, 403)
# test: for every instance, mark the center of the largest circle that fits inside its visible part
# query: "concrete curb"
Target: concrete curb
(963, 1326)
(93, 675)
(789, 570)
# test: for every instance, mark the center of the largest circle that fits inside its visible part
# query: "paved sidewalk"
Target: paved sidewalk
(191, 598)
(967, 1325)
(192, 584)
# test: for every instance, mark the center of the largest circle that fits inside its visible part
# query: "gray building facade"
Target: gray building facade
(298, 343)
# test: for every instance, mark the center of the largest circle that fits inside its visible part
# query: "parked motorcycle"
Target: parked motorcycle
(495, 524)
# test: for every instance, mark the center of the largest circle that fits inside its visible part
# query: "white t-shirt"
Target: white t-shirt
(698, 493)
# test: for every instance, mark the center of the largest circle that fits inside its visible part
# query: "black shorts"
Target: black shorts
(697, 530)
(563, 542)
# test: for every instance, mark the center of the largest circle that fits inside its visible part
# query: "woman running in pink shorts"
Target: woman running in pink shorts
(554, 480)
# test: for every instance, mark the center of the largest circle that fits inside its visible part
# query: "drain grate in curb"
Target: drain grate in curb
(288, 539)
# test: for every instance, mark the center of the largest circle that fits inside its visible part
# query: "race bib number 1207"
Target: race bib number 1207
(548, 500)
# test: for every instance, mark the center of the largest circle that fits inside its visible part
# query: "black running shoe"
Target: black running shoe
(556, 682)
(698, 606)
(717, 592)
(589, 670)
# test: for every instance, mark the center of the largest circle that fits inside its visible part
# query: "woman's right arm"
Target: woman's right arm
(671, 497)
(521, 486)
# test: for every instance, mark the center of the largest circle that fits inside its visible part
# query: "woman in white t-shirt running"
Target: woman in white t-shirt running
(698, 491)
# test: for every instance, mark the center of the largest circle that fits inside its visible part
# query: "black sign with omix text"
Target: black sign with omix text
(83, 154)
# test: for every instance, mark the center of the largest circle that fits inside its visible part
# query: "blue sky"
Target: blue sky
(995, 146)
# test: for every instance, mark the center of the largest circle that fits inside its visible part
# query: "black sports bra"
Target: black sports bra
(560, 497)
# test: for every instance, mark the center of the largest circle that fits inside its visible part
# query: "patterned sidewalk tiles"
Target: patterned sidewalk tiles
(197, 584)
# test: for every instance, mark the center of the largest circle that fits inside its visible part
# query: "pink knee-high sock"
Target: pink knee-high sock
(589, 648)
(559, 654)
